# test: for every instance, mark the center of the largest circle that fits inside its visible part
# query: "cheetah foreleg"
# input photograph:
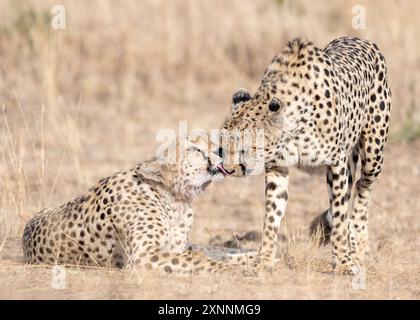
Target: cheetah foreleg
(277, 183)
(340, 235)
(243, 257)
(190, 261)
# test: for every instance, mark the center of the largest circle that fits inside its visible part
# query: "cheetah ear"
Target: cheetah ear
(239, 97)
(152, 170)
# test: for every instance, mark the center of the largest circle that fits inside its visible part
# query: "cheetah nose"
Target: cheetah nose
(220, 153)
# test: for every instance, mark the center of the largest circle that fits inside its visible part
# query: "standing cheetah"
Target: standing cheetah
(318, 108)
(139, 217)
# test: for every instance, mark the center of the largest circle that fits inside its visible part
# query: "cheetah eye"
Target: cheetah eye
(274, 105)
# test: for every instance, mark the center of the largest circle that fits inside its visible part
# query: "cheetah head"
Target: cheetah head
(191, 173)
(293, 88)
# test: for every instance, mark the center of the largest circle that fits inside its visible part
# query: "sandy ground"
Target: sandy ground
(303, 270)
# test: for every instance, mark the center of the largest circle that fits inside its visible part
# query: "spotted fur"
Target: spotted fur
(139, 217)
(319, 108)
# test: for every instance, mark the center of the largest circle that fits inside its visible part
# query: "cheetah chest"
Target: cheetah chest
(180, 221)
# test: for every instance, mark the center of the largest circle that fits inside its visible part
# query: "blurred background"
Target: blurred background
(87, 100)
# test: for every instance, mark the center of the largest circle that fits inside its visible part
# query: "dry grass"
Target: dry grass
(84, 102)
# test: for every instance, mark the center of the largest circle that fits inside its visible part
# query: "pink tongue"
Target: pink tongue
(221, 168)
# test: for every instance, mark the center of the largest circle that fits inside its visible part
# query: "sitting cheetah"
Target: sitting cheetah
(317, 108)
(139, 217)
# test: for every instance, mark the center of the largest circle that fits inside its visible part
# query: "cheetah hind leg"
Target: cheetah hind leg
(320, 228)
(371, 168)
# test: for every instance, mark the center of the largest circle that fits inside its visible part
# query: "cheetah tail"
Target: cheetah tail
(320, 229)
